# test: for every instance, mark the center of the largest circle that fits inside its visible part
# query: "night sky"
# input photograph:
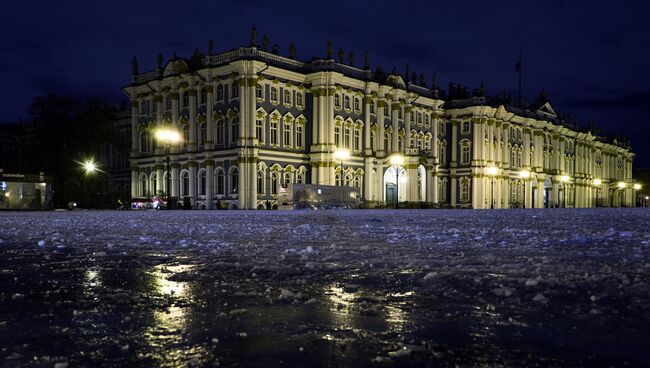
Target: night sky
(590, 56)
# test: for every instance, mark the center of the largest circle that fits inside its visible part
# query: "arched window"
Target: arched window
(234, 181)
(168, 103)
(260, 182)
(300, 178)
(287, 180)
(357, 104)
(220, 182)
(464, 190)
(337, 179)
(234, 90)
(185, 183)
(299, 99)
(234, 130)
(219, 94)
(202, 182)
(203, 97)
(346, 102)
(274, 182)
(220, 132)
(287, 97)
(185, 100)
(259, 93)
(274, 94)
(372, 140)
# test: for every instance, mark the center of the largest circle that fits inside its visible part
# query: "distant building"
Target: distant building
(113, 157)
(25, 191)
(253, 121)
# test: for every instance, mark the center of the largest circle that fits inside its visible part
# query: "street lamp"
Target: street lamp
(636, 187)
(89, 167)
(397, 160)
(564, 179)
(341, 155)
(597, 183)
(492, 171)
(524, 174)
(168, 137)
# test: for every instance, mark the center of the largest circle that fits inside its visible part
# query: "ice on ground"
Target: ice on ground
(561, 287)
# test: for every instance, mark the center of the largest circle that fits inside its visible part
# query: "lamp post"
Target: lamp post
(621, 186)
(341, 155)
(168, 137)
(89, 167)
(564, 179)
(636, 187)
(524, 174)
(397, 160)
(492, 171)
(597, 183)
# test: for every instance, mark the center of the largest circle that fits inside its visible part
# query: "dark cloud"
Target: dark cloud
(636, 100)
(589, 55)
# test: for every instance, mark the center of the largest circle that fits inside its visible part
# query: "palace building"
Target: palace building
(252, 122)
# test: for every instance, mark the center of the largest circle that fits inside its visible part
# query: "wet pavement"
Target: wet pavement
(408, 288)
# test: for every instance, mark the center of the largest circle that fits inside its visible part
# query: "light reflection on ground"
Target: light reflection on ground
(326, 288)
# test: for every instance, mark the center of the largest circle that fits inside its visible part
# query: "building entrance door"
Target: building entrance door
(391, 193)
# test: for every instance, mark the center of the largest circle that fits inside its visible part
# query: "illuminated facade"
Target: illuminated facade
(253, 121)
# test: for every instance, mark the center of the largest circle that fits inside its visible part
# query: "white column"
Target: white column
(192, 100)
(135, 138)
(175, 180)
(395, 107)
(192, 188)
(209, 186)
(134, 182)
(209, 144)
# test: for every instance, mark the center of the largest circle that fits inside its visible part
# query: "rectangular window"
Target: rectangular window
(234, 90)
(337, 136)
(464, 156)
(299, 135)
(259, 130)
(464, 192)
(346, 138)
(234, 131)
(357, 139)
(287, 135)
(274, 132)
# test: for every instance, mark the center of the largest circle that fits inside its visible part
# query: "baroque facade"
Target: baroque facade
(252, 121)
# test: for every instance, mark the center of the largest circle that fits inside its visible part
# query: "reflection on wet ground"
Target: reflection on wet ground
(324, 289)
